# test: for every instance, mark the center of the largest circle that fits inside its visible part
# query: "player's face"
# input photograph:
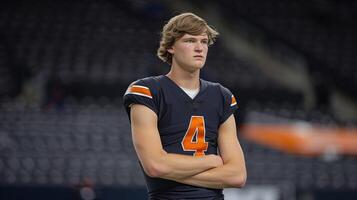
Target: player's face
(190, 51)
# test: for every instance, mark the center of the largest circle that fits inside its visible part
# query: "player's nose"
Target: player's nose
(199, 46)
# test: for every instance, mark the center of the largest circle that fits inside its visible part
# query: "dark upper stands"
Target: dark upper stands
(322, 31)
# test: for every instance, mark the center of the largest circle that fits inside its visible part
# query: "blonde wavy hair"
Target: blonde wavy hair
(177, 27)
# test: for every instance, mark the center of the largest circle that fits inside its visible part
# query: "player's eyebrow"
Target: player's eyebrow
(189, 38)
(194, 38)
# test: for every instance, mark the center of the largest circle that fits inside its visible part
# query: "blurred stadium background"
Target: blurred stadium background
(64, 66)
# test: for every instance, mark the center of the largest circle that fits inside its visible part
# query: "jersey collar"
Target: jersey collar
(203, 86)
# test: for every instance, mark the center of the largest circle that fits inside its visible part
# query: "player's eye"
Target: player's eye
(190, 41)
(204, 41)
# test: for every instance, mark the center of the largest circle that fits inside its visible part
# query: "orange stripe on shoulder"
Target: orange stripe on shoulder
(233, 101)
(139, 90)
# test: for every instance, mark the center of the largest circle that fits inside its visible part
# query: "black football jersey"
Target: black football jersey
(186, 126)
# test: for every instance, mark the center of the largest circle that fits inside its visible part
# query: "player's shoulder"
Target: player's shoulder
(148, 87)
(224, 92)
(147, 81)
(152, 82)
(216, 86)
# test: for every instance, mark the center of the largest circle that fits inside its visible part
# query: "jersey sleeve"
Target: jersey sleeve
(141, 92)
(230, 104)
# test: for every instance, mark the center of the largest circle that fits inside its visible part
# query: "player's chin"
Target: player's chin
(199, 64)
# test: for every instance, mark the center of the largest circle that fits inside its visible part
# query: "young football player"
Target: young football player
(183, 127)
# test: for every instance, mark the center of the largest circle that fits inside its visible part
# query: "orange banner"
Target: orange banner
(303, 139)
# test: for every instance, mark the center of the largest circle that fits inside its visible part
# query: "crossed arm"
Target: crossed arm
(212, 171)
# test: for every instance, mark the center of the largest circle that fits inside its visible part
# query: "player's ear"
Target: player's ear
(170, 50)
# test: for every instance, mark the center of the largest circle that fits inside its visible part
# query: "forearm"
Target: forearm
(225, 176)
(176, 166)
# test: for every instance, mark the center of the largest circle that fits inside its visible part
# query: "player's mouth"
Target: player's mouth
(198, 56)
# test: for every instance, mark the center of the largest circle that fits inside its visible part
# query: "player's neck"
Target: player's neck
(189, 80)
